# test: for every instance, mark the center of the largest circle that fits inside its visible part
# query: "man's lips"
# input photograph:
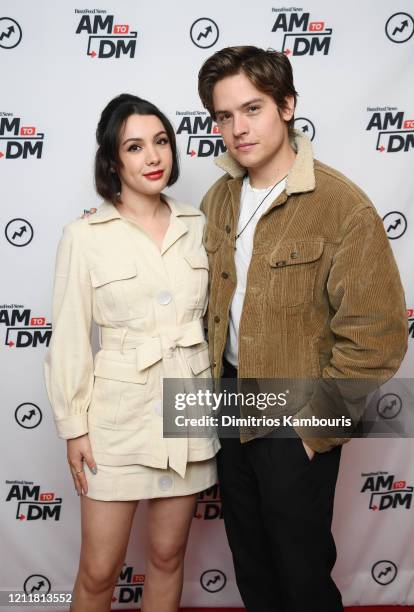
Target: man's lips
(153, 176)
(245, 146)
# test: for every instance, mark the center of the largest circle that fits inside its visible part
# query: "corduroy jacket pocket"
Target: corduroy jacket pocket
(293, 268)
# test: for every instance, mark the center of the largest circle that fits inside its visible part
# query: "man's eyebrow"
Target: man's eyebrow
(136, 139)
(244, 105)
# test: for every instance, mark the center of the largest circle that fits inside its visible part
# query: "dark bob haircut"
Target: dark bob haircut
(107, 160)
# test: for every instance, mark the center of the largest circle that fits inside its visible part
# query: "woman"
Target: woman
(138, 269)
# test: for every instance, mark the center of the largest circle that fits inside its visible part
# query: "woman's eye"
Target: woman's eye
(163, 141)
(134, 147)
(253, 108)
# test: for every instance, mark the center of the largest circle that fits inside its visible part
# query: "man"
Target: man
(303, 285)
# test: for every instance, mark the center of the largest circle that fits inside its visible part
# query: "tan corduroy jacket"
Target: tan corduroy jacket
(323, 297)
(149, 307)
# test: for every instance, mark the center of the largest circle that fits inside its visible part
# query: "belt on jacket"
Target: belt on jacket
(151, 349)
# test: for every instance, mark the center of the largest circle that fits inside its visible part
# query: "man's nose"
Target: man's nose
(240, 124)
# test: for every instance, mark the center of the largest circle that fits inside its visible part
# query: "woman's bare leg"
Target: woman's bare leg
(169, 521)
(106, 526)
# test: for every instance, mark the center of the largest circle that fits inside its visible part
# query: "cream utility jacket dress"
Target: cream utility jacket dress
(149, 306)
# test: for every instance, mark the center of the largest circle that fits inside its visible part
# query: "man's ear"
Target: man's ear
(289, 108)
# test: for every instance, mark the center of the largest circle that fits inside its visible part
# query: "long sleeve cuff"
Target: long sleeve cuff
(72, 426)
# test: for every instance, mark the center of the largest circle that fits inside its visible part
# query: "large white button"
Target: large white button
(165, 483)
(158, 408)
(163, 297)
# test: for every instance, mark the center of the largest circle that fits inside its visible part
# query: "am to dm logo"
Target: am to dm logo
(19, 141)
(22, 329)
(31, 503)
(106, 39)
(386, 492)
(203, 136)
(301, 35)
(129, 586)
(208, 505)
(410, 314)
(395, 132)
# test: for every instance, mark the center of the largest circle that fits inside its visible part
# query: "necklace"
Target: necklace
(257, 208)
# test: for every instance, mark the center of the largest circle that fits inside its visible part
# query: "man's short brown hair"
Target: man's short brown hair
(269, 71)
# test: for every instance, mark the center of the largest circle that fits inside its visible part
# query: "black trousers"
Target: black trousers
(277, 507)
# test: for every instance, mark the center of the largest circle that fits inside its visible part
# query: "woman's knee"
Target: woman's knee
(166, 558)
(98, 576)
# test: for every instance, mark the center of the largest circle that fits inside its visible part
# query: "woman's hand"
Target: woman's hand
(79, 451)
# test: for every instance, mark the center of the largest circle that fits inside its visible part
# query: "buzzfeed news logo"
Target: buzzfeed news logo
(19, 141)
(208, 505)
(129, 587)
(22, 329)
(301, 35)
(32, 504)
(386, 492)
(203, 136)
(395, 132)
(106, 39)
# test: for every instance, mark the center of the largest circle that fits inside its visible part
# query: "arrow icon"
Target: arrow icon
(305, 128)
(287, 51)
(192, 153)
(27, 417)
(206, 32)
(93, 54)
(11, 344)
(38, 587)
(394, 402)
(1, 154)
(404, 24)
(390, 227)
(10, 31)
(374, 508)
(381, 148)
(23, 229)
(22, 517)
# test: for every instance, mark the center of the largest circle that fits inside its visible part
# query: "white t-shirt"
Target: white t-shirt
(250, 199)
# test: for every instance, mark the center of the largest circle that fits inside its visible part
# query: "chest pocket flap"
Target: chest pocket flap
(103, 275)
(299, 252)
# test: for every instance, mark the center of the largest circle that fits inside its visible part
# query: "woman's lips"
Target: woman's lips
(154, 176)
